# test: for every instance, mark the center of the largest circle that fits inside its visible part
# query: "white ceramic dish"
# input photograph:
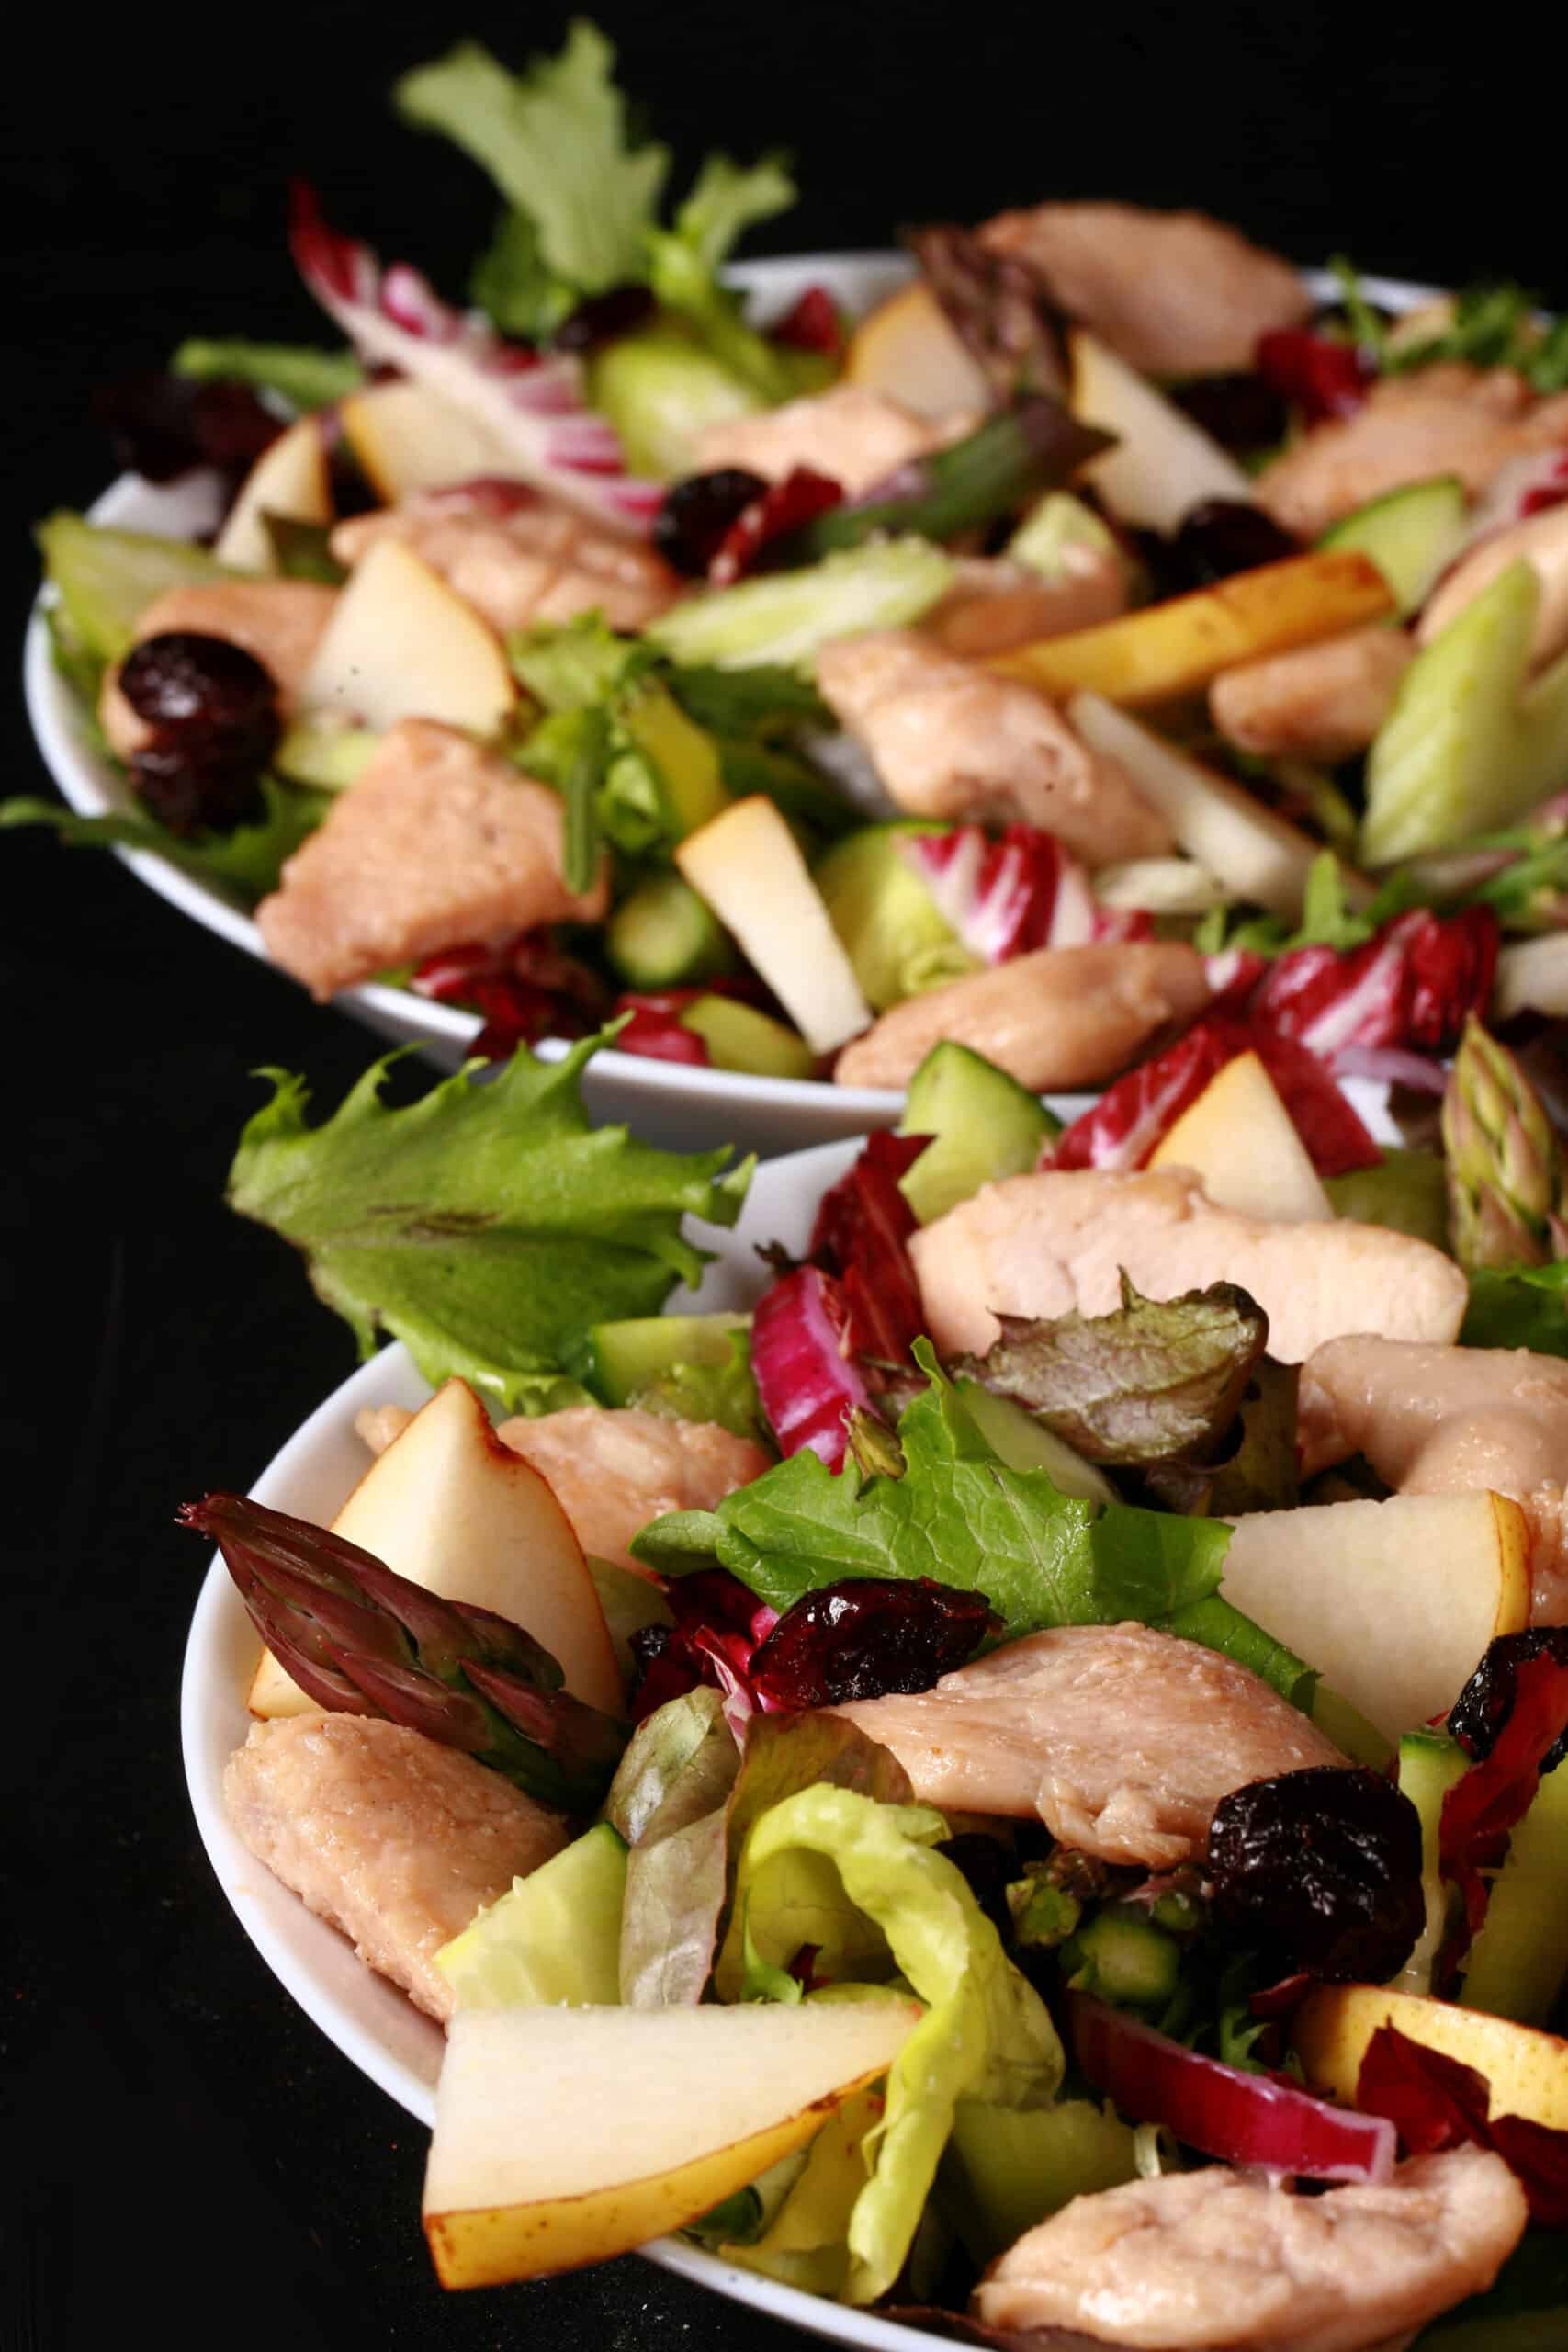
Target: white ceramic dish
(666, 1102)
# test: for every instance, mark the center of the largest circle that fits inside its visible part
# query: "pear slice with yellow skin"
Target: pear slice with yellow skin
(1527, 2069)
(289, 478)
(566, 2135)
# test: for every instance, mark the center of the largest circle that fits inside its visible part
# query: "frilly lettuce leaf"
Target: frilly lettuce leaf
(554, 139)
(246, 860)
(485, 1226)
(838, 1869)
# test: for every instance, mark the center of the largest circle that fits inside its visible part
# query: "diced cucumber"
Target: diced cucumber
(1468, 746)
(1346, 1725)
(624, 1357)
(1520, 1959)
(684, 758)
(1120, 1955)
(1411, 535)
(661, 391)
(1024, 1443)
(739, 1037)
(788, 616)
(325, 752)
(983, 1126)
(1406, 1191)
(1051, 532)
(889, 926)
(555, 1937)
(662, 935)
(106, 579)
(1429, 1764)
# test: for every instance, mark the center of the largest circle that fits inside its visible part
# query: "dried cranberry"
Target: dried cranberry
(1223, 535)
(762, 530)
(1314, 372)
(867, 1635)
(212, 708)
(698, 511)
(1242, 411)
(191, 786)
(604, 317)
(526, 987)
(1484, 1705)
(811, 325)
(180, 677)
(1321, 1870)
(663, 1669)
(163, 425)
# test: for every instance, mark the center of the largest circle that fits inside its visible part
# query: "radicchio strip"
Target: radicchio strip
(526, 988)
(862, 1234)
(532, 407)
(1004, 898)
(1317, 374)
(806, 1384)
(778, 509)
(1411, 986)
(1244, 2118)
(1437, 2102)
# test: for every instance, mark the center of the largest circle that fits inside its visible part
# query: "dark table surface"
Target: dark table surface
(195, 2154)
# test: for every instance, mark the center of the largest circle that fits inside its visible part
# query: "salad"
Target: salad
(1015, 1783)
(1096, 641)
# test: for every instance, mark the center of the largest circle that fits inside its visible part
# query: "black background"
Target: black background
(196, 2157)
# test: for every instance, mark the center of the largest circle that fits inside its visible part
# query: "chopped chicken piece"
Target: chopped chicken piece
(535, 562)
(1193, 2262)
(950, 741)
(1442, 1421)
(1122, 1739)
(438, 842)
(1541, 541)
(396, 1840)
(281, 622)
(995, 603)
(1176, 293)
(1044, 1244)
(854, 436)
(1317, 702)
(1447, 419)
(1056, 1018)
(611, 1470)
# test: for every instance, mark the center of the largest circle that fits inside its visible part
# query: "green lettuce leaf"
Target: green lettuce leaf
(554, 139)
(1518, 1307)
(684, 264)
(485, 1226)
(1006, 2168)
(305, 379)
(958, 1515)
(247, 861)
(834, 1868)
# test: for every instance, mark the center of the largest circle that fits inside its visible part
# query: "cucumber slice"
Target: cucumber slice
(1407, 1191)
(662, 935)
(323, 753)
(888, 924)
(1468, 747)
(1429, 1764)
(1411, 535)
(1519, 1958)
(107, 579)
(1046, 538)
(789, 617)
(556, 1937)
(1120, 1955)
(684, 758)
(661, 391)
(624, 1357)
(1024, 1443)
(739, 1037)
(983, 1126)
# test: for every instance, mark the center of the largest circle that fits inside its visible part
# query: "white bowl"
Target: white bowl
(667, 1103)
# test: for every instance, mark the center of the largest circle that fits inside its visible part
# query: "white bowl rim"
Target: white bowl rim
(55, 718)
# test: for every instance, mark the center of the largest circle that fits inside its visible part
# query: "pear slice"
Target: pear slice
(1527, 2069)
(405, 440)
(1241, 1139)
(289, 478)
(402, 645)
(1393, 1601)
(908, 349)
(747, 865)
(1164, 464)
(566, 2135)
(452, 1509)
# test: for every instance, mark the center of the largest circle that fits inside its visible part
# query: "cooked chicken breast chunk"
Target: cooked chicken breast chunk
(949, 739)
(1440, 1420)
(1317, 702)
(1193, 2262)
(1447, 419)
(1122, 1739)
(395, 1839)
(439, 842)
(854, 436)
(1043, 1244)
(1176, 293)
(281, 622)
(1539, 540)
(534, 563)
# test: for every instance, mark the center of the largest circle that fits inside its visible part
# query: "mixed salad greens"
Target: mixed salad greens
(845, 684)
(1359, 1949)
